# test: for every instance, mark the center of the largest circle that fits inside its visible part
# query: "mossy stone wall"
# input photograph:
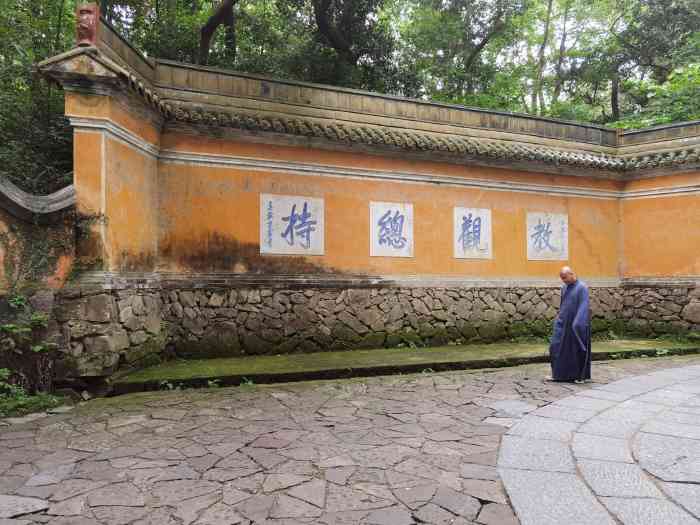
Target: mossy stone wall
(131, 327)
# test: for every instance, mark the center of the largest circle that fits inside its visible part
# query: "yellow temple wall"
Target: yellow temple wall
(211, 220)
(662, 233)
(116, 181)
(184, 202)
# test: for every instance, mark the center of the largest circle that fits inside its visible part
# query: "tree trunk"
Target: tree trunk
(104, 9)
(533, 93)
(562, 51)
(541, 59)
(615, 95)
(339, 41)
(497, 27)
(230, 37)
(223, 15)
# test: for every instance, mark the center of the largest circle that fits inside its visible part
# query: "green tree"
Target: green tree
(36, 150)
(453, 48)
(629, 62)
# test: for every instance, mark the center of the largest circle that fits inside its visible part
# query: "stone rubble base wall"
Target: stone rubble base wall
(106, 330)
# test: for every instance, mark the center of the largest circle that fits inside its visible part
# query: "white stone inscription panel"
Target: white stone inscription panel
(472, 233)
(547, 237)
(391, 229)
(291, 224)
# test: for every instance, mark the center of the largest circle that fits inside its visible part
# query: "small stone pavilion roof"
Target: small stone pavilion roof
(189, 96)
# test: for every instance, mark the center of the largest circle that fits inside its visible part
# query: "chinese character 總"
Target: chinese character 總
(391, 230)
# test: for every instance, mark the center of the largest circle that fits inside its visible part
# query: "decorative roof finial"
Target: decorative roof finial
(87, 21)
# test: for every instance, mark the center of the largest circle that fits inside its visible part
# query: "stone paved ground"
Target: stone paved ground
(391, 450)
(624, 452)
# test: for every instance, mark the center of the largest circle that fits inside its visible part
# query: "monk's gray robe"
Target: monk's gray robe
(570, 349)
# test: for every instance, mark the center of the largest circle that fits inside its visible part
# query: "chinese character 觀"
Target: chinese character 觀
(470, 236)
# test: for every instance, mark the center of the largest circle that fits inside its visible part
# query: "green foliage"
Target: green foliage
(8, 389)
(630, 62)
(14, 400)
(32, 252)
(38, 320)
(596, 64)
(18, 301)
(13, 406)
(673, 101)
(12, 328)
(452, 49)
(36, 146)
(25, 354)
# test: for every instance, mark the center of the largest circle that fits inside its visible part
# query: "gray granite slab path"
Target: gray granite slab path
(624, 452)
(388, 450)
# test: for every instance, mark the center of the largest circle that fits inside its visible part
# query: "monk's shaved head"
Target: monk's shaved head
(567, 275)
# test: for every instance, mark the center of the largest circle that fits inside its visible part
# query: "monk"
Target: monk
(570, 349)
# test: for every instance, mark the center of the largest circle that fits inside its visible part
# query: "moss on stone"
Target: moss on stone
(150, 360)
(662, 328)
(467, 331)
(210, 347)
(427, 330)
(617, 327)
(693, 336)
(519, 330)
(440, 337)
(540, 328)
(491, 332)
(599, 325)
(404, 338)
(637, 328)
(362, 361)
(372, 340)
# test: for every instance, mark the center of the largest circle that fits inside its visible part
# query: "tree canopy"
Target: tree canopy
(625, 63)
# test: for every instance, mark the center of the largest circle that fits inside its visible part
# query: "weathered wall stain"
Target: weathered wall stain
(36, 255)
(217, 252)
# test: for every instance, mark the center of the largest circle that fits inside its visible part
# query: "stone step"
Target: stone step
(364, 363)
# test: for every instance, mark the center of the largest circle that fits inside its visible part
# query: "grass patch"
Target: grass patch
(14, 406)
(386, 360)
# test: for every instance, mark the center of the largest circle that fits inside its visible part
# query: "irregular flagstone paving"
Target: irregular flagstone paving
(624, 452)
(388, 450)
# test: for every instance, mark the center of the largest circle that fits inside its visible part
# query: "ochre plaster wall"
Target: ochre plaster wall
(662, 234)
(186, 216)
(131, 206)
(128, 114)
(116, 183)
(210, 219)
(34, 254)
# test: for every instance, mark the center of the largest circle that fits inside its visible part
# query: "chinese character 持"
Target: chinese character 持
(301, 225)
